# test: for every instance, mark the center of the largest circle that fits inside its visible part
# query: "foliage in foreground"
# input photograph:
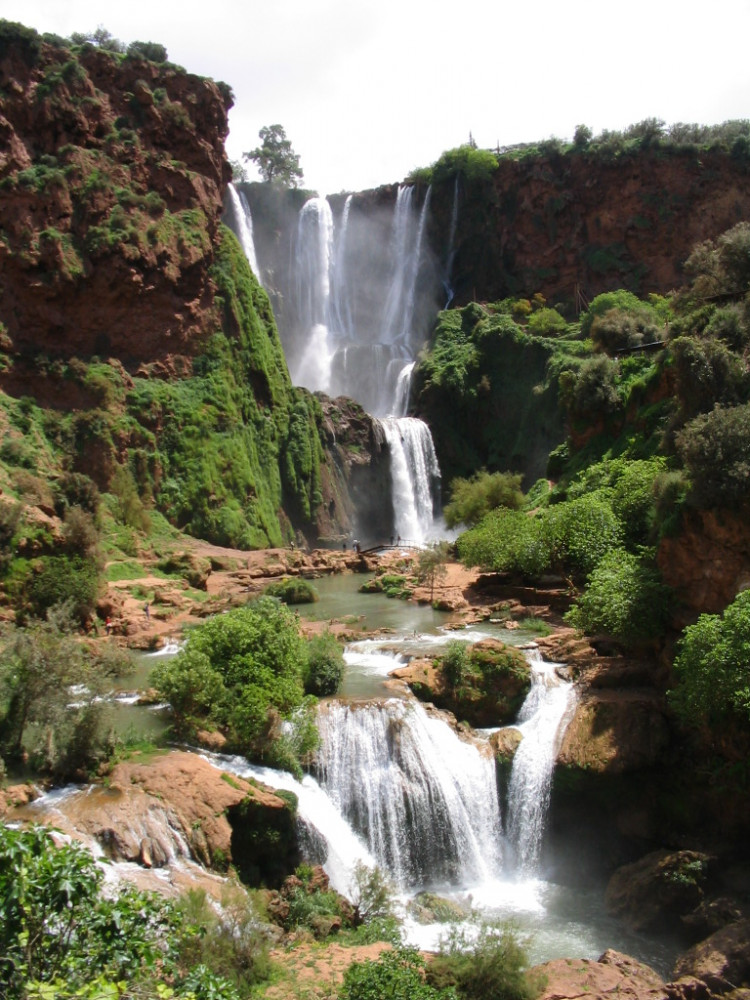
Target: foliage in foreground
(63, 936)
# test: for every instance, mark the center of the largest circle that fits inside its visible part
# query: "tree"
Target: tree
(624, 598)
(473, 498)
(431, 565)
(275, 158)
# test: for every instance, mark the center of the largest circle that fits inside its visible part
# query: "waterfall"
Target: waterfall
(542, 721)
(314, 250)
(451, 247)
(342, 323)
(243, 226)
(415, 474)
(425, 801)
(408, 236)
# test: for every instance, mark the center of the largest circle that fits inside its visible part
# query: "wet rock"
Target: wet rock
(613, 975)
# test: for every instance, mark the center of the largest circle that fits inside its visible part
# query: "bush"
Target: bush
(619, 329)
(240, 671)
(492, 964)
(707, 373)
(396, 974)
(293, 590)
(579, 533)
(711, 667)
(547, 323)
(325, 665)
(454, 664)
(590, 393)
(715, 449)
(624, 598)
(65, 578)
(473, 498)
(621, 300)
(506, 541)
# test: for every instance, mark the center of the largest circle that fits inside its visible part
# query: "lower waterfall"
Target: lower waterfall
(415, 475)
(424, 801)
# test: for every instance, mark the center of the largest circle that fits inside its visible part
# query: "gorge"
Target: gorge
(191, 413)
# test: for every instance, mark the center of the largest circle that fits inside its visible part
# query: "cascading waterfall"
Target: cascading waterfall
(451, 247)
(542, 720)
(425, 801)
(354, 324)
(415, 474)
(243, 226)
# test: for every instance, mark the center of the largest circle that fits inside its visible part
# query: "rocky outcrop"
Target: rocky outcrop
(612, 975)
(721, 962)
(112, 172)
(707, 563)
(657, 891)
(176, 806)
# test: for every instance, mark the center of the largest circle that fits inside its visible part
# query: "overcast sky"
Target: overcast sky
(367, 90)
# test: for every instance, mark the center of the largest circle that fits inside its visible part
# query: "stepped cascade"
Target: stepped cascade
(357, 305)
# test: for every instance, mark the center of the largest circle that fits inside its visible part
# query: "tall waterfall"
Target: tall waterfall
(425, 801)
(363, 290)
(542, 720)
(243, 226)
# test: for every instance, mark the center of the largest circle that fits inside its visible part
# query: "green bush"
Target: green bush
(506, 541)
(619, 329)
(715, 449)
(590, 392)
(397, 974)
(547, 323)
(711, 667)
(473, 498)
(707, 373)
(62, 578)
(325, 666)
(240, 671)
(293, 590)
(624, 598)
(493, 963)
(454, 664)
(621, 300)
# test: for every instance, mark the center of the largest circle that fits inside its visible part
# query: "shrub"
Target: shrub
(325, 665)
(715, 449)
(396, 974)
(591, 391)
(624, 598)
(241, 671)
(471, 499)
(454, 664)
(711, 667)
(579, 533)
(707, 372)
(618, 329)
(492, 964)
(506, 541)
(65, 578)
(547, 323)
(621, 300)
(293, 590)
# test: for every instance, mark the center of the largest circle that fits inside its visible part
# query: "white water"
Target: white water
(415, 476)
(542, 721)
(243, 226)
(425, 801)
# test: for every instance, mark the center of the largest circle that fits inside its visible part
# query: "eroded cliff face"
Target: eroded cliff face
(580, 222)
(112, 171)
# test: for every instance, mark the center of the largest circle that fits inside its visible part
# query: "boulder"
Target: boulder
(655, 892)
(612, 975)
(722, 961)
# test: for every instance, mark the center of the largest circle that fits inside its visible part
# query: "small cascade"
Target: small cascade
(415, 476)
(542, 720)
(342, 322)
(241, 222)
(425, 801)
(403, 389)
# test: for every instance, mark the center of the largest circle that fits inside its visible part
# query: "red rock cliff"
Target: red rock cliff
(112, 172)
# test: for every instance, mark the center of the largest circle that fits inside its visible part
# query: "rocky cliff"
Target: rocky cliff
(582, 222)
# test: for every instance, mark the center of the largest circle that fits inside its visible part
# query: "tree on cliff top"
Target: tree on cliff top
(275, 158)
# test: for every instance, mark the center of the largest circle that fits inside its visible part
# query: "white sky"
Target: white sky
(367, 90)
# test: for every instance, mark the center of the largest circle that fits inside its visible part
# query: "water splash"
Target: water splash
(542, 720)
(425, 800)
(415, 474)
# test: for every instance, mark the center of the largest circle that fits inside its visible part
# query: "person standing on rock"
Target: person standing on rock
(147, 611)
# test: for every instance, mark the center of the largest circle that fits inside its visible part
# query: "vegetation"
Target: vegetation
(62, 936)
(713, 680)
(324, 670)
(293, 590)
(473, 498)
(50, 687)
(243, 672)
(275, 158)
